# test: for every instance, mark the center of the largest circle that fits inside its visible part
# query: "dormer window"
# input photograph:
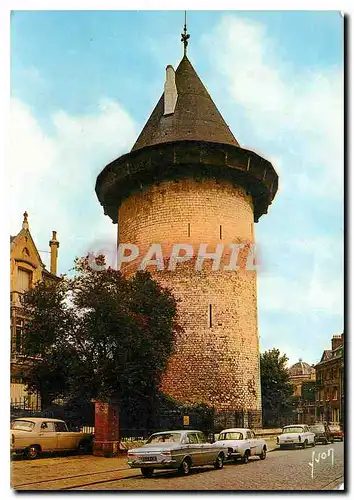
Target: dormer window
(170, 91)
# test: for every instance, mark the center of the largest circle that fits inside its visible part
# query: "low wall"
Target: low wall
(267, 433)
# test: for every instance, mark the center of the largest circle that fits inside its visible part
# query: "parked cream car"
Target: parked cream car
(32, 436)
(296, 435)
(241, 443)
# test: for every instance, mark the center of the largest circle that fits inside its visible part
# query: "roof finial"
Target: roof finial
(25, 221)
(184, 35)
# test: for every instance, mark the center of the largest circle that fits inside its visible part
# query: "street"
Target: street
(282, 470)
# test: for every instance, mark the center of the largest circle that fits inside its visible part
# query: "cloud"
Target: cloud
(315, 296)
(310, 278)
(53, 176)
(31, 151)
(300, 110)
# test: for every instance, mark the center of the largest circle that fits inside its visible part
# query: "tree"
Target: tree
(105, 336)
(44, 343)
(308, 390)
(277, 390)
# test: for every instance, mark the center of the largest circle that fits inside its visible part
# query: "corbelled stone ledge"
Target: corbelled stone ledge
(137, 170)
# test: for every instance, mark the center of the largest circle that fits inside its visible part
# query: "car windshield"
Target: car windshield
(317, 428)
(287, 430)
(225, 436)
(22, 425)
(173, 437)
(334, 427)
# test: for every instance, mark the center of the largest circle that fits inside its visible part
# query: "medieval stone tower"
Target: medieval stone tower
(187, 181)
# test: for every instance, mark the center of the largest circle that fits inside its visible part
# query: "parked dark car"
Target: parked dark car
(336, 432)
(322, 433)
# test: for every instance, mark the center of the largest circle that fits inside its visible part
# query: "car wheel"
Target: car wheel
(313, 444)
(304, 444)
(325, 441)
(219, 462)
(246, 457)
(147, 472)
(185, 467)
(32, 452)
(263, 455)
(84, 447)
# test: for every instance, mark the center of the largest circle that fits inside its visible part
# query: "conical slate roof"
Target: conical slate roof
(195, 116)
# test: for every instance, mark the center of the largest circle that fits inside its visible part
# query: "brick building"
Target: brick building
(188, 181)
(26, 267)
(330, 382)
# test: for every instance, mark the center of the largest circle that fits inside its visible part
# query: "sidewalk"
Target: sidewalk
(271, 443)
(53, 472)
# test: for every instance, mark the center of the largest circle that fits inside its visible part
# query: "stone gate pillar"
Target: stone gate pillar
(106, 443)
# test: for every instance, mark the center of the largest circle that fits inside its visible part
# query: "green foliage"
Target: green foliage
(49, 320)
(101, 336)
(168, 414)
(308, 391)
(277, 390)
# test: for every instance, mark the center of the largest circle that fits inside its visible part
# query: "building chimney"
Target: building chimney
(25, 222)
(54, 245)
(337, 341)
(170, 91)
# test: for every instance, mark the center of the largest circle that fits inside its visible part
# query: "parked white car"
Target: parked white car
(32, 436)
(242, 444)
(296, 435)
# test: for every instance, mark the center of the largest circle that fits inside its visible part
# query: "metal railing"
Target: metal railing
(27, 403)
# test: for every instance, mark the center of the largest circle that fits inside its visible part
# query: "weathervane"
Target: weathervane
(184, 35)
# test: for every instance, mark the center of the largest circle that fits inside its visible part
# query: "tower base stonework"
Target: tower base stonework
(106, 442)
(251, 419)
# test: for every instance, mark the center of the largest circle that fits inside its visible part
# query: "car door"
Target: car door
(256, 443)
(47, 436)
(208, 453)
(308, 434)
(194, 449)
(252, 443)
(66, 439)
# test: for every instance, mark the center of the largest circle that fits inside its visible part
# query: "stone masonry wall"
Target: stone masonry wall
(217, 357)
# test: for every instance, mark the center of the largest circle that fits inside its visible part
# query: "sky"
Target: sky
(83, 84)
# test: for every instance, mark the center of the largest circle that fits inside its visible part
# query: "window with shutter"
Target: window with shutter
(24, 279)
